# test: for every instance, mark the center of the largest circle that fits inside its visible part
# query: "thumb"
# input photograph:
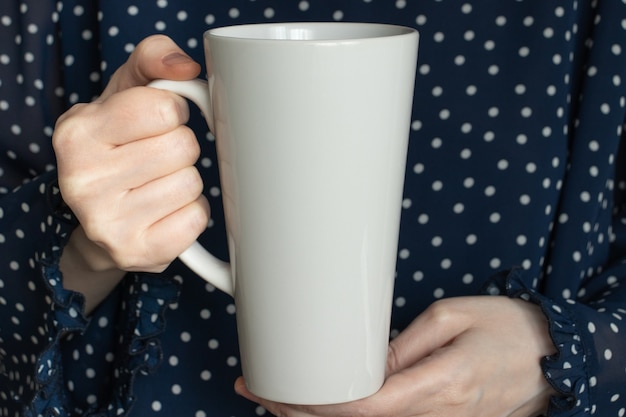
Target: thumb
(155, 57)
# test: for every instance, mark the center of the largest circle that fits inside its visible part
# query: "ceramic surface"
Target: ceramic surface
(311, 123)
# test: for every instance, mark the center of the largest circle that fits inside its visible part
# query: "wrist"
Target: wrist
(87, 269)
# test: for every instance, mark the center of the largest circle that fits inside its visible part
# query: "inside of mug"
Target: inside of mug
(315, 31)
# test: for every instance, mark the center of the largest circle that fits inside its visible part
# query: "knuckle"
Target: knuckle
(194, 180)
(189, 144)
(72, 191)
(170, 110)
(98, 231)
(441, 312)
(70, 128)
(78, 191)
(144, 50)
(149, 43)
(199, 218)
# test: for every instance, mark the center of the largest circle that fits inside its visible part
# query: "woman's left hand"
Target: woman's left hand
(468, 356)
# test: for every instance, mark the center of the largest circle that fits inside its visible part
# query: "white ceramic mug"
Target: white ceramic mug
(311, 123)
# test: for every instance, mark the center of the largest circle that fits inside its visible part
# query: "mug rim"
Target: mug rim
(309, 31)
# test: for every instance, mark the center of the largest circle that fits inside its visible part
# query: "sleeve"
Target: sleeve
(37, 314)
(583, 288)
(588, 370)
(584, 300)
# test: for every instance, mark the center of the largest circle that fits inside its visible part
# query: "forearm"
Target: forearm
(84, 270)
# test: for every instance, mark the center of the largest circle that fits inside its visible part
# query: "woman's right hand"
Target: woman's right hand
(126, 169)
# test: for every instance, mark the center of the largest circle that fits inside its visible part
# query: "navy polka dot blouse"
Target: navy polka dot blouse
(514, 185)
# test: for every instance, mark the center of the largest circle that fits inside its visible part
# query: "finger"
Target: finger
(169, 237)
(155, 57)
(384, 402)
(434, 328)
(157, 199)
(154, 248)
(442, 379)
(146, 160)
(86, 131)
(277, 409)
(138, 113)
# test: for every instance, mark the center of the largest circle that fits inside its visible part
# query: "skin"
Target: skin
(126, 169)
(467, 356)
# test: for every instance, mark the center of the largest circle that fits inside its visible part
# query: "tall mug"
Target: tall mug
(311, 123)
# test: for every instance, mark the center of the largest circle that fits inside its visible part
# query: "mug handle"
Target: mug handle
(216, 272)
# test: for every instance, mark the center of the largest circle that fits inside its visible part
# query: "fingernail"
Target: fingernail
(176, 58)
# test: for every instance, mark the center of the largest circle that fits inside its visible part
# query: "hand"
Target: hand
(126, 169)
(463, 357)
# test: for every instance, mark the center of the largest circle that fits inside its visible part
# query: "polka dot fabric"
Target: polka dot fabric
(515, 185)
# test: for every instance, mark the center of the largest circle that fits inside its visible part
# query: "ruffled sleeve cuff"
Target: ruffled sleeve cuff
(565, 370)
(145, 297)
